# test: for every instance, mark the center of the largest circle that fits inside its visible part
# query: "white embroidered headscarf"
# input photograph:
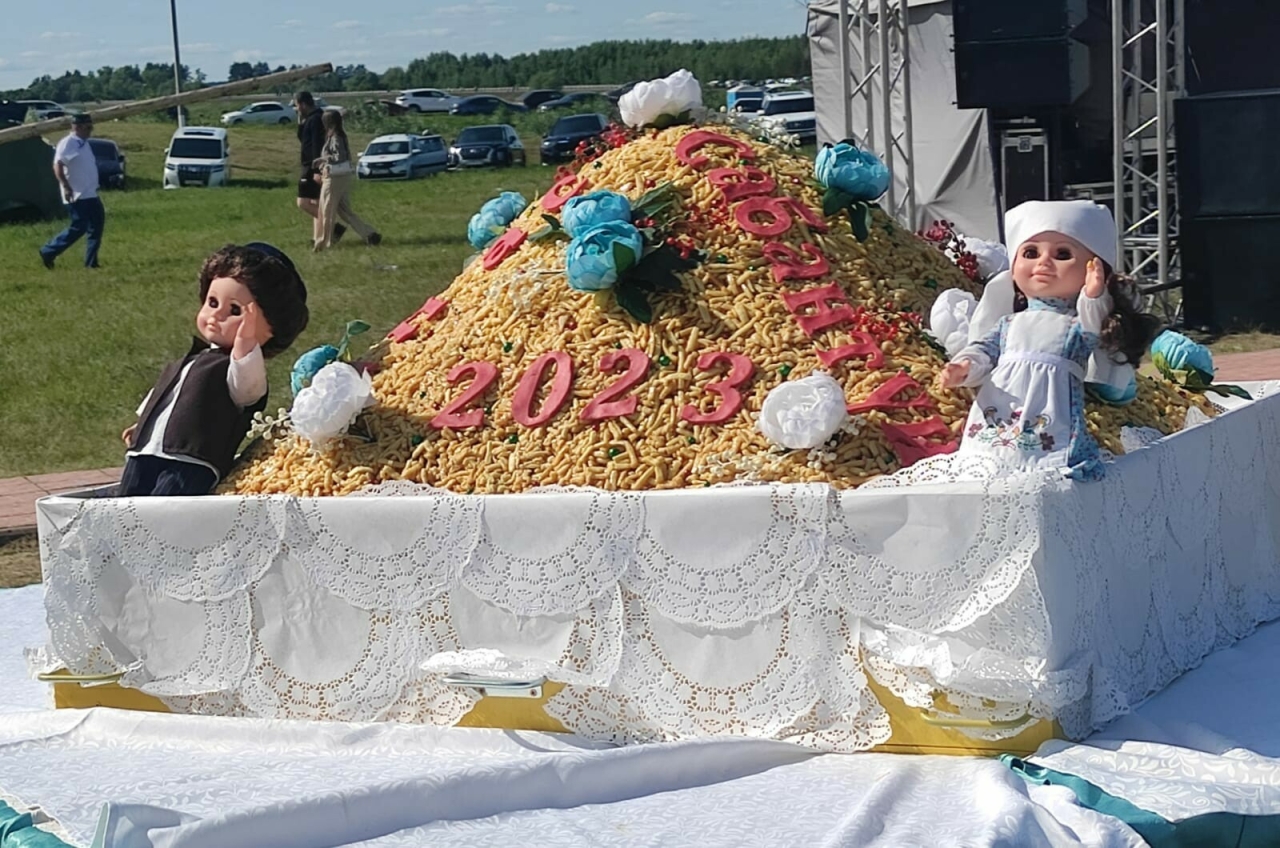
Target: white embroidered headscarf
(1087, 223)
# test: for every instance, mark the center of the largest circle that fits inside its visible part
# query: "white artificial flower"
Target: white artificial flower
(325, 409)
(991, 255)
(673, 95)
(949, 319)
(802, 414)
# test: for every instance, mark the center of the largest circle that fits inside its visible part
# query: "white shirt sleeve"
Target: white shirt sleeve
(143, 405)
(1093, 311)
(69, 147)
(247, 378)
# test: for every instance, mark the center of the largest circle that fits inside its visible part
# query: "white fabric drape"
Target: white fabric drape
(744, 611)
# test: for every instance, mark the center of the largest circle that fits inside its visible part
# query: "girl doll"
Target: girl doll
(1029, 411)
(253, 304)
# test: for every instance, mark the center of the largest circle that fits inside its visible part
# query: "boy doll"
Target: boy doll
(253, 304)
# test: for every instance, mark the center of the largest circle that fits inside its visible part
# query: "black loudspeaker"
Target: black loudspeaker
(996, 20)
(1228, 272)
(1022, 74)
(1230, 45)
(1225, 161)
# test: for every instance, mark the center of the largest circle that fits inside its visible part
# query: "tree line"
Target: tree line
(600, 63)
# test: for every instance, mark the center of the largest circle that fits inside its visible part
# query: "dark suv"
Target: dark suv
(495, 144)
(568, 132)
(110, 162)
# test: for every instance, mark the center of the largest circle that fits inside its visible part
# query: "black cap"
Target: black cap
(81, 118)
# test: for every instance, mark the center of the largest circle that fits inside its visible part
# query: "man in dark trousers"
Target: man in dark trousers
(77, 171)
(311, 137)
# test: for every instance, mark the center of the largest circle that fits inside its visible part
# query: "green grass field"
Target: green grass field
(79, 348)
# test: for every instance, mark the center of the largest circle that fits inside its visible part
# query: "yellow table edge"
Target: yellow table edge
(911, 734)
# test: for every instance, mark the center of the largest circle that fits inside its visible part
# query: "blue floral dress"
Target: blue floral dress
(1029, 412)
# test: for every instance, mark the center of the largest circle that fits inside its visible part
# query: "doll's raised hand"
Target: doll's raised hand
(127, 435)
(252, 332)
(953, 374)
(1095, 282)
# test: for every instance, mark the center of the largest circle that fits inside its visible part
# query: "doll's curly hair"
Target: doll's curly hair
(274, 282)
(1128, 331)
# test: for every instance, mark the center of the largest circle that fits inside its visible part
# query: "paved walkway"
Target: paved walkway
(18, 495)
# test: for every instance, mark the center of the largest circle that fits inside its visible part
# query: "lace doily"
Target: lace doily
(741, 610)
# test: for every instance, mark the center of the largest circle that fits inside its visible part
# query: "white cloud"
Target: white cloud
(247, 55)
(60, 35)
(200, 47)
(559, 39)
(661, 18)
(480, 7)
(31, 54)
(346, 24)
(4, 63)
(292, 23)
(555, 8)
(433, 32)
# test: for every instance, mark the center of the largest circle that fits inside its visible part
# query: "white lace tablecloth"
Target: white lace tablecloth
(751, 611)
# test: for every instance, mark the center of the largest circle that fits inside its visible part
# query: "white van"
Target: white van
(197, 156)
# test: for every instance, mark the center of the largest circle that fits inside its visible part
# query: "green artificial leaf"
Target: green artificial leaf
(635, 302)
(860, 220)
(552, 221)
(1162, 365)
(652, 196)
(497, 231)
(834, 200)
(624, 258)
(1195, 379)
(1228, 389)
(649, 234)
(548, 232)
(355, 328)
(663, 121)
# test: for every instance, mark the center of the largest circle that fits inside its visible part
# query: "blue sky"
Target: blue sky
(51, 37)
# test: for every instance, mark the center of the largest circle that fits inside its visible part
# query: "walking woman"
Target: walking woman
(334, 164)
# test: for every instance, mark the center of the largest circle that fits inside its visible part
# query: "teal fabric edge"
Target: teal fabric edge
(1209, 830)
(18, 831)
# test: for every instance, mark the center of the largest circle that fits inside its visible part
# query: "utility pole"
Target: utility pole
(177, 62)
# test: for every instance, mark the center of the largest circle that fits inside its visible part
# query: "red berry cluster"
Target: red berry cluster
(942, 235)
(883, 325)
(614, 136)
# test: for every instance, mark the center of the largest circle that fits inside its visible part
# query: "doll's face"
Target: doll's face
(1051, 265)
(222, 311)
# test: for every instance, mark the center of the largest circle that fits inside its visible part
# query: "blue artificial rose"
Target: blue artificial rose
(590, 210)
(590, 262)
(853, 171)
(484, 228)
(309, 364)
(506, 206)
(493, 217)
(1114, 396)
(1175, 352)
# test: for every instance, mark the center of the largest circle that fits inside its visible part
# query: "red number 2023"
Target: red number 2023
(740, 370)
(606, 405)
(484, 375)
(527, 389)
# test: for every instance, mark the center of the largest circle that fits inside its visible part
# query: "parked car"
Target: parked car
(790, 112)
(616, 93)
(493, 144)
(426, 100)
(576, 100)
(402, 157)
(266, 112)
(534, 99)
(197, 156)
(484, 104)
(43, 109)
(567, 133)
(110, 162)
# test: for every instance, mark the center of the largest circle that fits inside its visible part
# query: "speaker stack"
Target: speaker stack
(1228, 184)
(1012, 54)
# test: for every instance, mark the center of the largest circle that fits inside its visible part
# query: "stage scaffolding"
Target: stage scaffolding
(882, 91)
(1148, 72)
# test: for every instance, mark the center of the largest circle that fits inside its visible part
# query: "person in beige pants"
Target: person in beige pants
(335, 165)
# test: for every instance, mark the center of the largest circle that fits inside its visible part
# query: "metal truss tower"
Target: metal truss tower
(881, 90)
(1148, 72)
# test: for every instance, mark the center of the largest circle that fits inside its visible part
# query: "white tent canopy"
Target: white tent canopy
(951, 149)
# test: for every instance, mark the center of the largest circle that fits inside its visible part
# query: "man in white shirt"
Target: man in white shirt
(77, 171)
